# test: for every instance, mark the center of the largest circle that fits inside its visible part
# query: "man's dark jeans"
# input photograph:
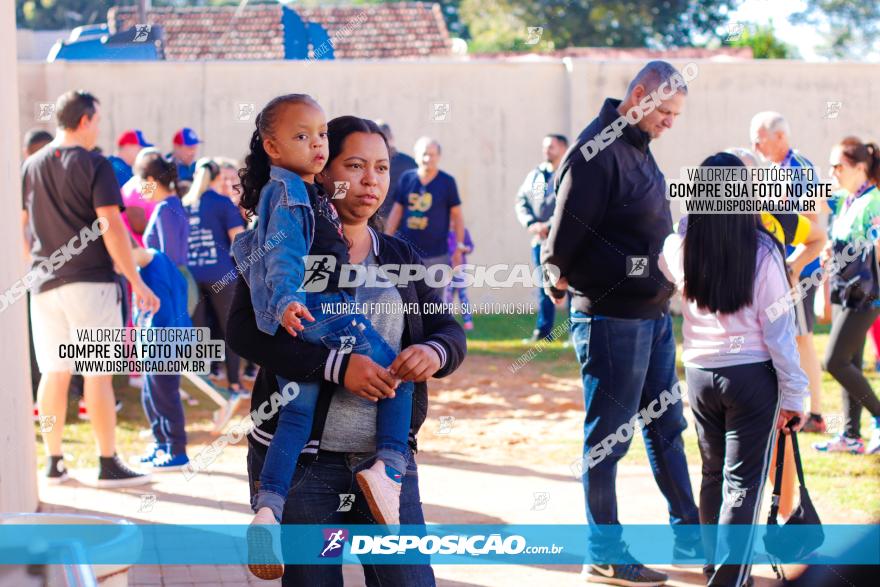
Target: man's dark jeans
(314, 499)
(625, 365)
(546, 307)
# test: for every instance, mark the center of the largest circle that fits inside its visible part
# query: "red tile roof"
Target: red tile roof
(398, 30)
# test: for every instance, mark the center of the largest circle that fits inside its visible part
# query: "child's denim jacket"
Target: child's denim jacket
(270, 256)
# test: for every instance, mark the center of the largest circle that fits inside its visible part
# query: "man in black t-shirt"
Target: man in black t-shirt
(71, 205)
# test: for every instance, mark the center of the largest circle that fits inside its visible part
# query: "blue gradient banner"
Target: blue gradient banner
(440, 544)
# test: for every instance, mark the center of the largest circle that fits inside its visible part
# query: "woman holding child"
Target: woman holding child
(351, 428)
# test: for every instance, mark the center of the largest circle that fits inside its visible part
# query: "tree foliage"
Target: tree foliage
(764, 43)
(594, 23)
(60, 14)
(853, 25)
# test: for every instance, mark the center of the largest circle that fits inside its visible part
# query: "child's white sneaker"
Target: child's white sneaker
(262, 561)
(382, 493)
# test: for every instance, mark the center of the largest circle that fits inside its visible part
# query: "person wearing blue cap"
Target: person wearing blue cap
(128, 145)
(183, 154)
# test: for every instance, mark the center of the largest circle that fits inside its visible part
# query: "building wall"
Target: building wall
(498, 113)
(18, 479)
(35, 45)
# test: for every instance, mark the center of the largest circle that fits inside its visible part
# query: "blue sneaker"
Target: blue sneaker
(170, 462)
(154, 451)
(242, 392)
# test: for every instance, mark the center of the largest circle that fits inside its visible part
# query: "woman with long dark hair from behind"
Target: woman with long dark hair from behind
(743, 375)
(855, 167)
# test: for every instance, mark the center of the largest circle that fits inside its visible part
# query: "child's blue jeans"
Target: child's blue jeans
(347, 332)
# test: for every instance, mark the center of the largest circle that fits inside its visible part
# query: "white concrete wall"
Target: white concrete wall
(499, 111)
(35, 45)
(18, 479)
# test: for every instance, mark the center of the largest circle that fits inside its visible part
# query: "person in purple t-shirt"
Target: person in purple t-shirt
(168, 226)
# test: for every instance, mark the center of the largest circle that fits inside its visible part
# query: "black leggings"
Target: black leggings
(735, 411)
(219, 303)
(843, 360)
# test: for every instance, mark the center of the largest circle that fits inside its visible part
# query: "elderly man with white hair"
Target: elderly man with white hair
(771, 137)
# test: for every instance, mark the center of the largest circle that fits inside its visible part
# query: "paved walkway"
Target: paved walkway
(491, 442)
(447, 482)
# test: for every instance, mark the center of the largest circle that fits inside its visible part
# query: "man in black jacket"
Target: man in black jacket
(610, 222)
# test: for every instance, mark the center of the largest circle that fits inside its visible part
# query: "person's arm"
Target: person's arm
(814, 241)
(468, 241)
(235, 224)
(394, 219)
(670, 258)
(116, 239)
(456, 219)
(444, 346)
(582, 195)
(771, 286)
(285, 268)
(294, 359)
(24, 235)
(137, 219)
(233, 232)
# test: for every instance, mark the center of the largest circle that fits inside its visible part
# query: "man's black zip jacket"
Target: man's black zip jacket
(608, 208)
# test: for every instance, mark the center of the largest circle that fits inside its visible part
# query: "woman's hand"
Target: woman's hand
(367, 379)
(415, 363)
(785, 416)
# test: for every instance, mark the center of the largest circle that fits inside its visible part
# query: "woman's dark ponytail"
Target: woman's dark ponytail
(873, 163)
(855, 152)
(255, 173)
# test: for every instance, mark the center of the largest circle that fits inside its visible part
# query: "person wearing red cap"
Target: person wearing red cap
(183, 154)
(128, 145)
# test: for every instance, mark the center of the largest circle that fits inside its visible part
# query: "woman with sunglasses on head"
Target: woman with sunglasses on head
(855, 233)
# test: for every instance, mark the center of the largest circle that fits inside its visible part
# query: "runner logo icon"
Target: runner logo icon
(318, 270)
(334, 542)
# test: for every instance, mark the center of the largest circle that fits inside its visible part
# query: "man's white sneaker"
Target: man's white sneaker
(382, 493)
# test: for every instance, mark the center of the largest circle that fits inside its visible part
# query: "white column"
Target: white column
(18, 460)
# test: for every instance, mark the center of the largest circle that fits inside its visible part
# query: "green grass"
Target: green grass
(79, 441)
(844, 482)
(851, 482)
